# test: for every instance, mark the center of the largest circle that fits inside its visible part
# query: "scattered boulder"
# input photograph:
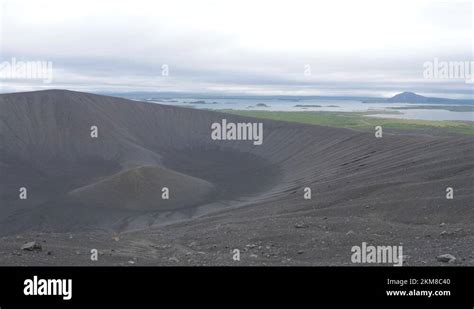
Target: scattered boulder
(31, 246)
(405, 258)
(446, 258)
(300, 225)
(173, 259)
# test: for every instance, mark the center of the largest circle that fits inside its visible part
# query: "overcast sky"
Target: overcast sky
(249, 47)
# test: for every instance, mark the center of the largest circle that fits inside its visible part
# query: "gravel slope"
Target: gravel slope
(103, 193)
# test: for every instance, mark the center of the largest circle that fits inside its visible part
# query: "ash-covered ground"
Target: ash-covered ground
(105, 193)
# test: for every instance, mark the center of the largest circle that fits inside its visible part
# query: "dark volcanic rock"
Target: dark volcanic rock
(31, 246)
(446, 258)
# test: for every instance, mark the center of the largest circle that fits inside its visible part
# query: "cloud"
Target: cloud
(227, 45)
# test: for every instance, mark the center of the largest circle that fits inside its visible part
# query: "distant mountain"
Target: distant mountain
(408, 97)
(411, 97)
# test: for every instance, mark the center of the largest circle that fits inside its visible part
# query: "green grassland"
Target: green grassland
(360, 121)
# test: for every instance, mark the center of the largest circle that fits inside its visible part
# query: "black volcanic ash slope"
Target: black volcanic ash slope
(76, 182)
